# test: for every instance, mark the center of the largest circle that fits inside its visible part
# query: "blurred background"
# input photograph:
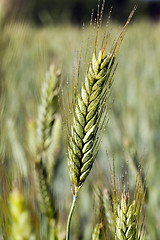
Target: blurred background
(75, 11)
(33, 35)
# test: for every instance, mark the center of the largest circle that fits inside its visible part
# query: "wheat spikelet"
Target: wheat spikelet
(90, 110)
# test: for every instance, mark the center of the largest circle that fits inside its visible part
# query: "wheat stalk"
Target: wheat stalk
(89, 113)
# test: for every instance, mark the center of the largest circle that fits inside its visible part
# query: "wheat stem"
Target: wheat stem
(70, 216)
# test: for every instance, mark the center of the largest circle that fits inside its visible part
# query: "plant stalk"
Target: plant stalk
(70, 216)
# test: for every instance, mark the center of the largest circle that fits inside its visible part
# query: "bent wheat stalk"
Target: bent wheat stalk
(89, 113)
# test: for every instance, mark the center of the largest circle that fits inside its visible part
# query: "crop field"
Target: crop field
(130, 144)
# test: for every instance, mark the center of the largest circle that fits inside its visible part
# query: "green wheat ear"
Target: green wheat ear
(47, 109)
(120, 218)
(127, 220)
(127, 216)
(90, 107)
(89, 112)
(45, 125)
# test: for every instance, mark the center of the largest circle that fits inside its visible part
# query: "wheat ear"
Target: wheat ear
(90, 109)
(47, 109)
(89, 118)
(46, 119)
(89, 113)
(126, 227)
(127, 217)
